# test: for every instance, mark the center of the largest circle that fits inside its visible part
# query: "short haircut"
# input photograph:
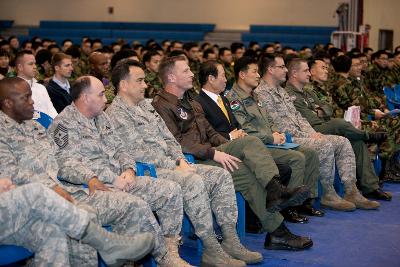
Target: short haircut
(79, 86)
(294, 64)
(121, 71)
(123, 53)
(190, 45)
(6, 84)
(208, 52)
(222, 50)
(206, 69)
(267, 60)
(321, 55)
(242, 64)
(151, 53)
(58, 58)
(312, 61)
(73, 51)
(43, 56)
(236, 46)
(176, 53)
(20, 55)
(378, 54)
(166, 67)
(342, 64)
(4, 53)
(66, 40)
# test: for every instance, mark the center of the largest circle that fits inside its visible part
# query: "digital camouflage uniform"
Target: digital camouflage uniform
(37, 218)
(147, 137)
(89, 147)
(330, 149)
(27, 157)
(318, 113)
(348, 92)
(154, 83)
(254, 119)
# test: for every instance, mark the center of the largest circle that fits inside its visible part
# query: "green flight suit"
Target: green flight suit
(254, 120)
(318, 113)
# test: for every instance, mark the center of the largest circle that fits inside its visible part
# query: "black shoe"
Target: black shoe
(377, 137)
(280, 197)
(379, 195)
(307, 209)
(292, 216)
(283, 239)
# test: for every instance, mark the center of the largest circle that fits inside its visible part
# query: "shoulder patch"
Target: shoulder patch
(61, 136)
(235, 105)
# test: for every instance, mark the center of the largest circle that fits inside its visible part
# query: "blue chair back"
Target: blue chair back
(42, 118)
(10, 254)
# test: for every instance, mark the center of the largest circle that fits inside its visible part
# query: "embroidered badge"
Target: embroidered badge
(61, 136)
(182, 114)
(235, 105)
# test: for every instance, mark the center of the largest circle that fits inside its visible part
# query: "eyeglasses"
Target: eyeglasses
(282, 67)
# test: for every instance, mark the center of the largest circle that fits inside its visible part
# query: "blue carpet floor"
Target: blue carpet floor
(359, 238)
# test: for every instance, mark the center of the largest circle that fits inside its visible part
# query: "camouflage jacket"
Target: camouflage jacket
(251, 114)
(88, 147)
(27, 153)
(309, 105)
(280, 107)
(154, 83)
(145, 133)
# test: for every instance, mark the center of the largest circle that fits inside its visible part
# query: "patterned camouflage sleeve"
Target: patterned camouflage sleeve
(73, 166)
(9, 168)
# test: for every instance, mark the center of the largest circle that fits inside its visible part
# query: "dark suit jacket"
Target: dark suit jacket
(215, 116)
(58, 96)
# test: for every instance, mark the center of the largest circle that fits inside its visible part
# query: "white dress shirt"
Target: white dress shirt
(41, 98)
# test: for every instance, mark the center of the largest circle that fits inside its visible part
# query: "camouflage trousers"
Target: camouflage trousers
(35, 217)
(209, 189)
(391, 125)
(130, 213)
(332, 149)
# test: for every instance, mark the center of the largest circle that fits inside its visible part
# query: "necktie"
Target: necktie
(222, 107)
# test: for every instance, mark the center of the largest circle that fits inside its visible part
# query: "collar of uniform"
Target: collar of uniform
(242, 95)
(173, 99)
(79, 118)
(291, 87)
(8, 122)
(264, 87)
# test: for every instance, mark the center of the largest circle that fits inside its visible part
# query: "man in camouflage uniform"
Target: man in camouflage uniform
(225, 58)
(330, 148)
(379, 75)
(152, 61)
(100, 68)
(204, 188)
(255, 174)
(90, 153)
(27, 154)
(192, 51)
(35, 217)
(318, 113)
(349, 91)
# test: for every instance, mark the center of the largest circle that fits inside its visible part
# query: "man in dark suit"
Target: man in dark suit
(218, 112)
(58, 87)
(221, 118)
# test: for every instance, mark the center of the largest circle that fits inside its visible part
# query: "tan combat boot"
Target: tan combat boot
(353, 195)
(215, 256)
(172, 258)
(332, 201)
(232, 246)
